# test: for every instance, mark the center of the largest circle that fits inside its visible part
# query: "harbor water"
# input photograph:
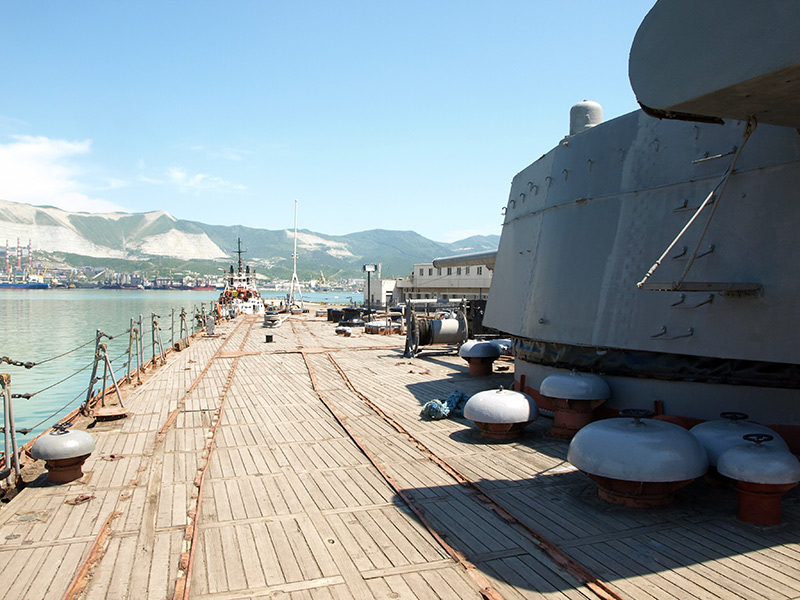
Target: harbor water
(56, 328)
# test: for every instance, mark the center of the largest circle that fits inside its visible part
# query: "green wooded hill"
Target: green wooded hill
(158, 241)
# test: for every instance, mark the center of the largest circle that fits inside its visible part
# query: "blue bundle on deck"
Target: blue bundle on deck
(454, 405)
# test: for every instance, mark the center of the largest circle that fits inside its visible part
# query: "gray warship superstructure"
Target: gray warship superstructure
(659, 249)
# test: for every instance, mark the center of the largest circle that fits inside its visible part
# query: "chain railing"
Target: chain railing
(125, 367)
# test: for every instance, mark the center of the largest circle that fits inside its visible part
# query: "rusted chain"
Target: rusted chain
(52, 385)
(18, 363)
(29, 395)
(27, 430)
(31, 364)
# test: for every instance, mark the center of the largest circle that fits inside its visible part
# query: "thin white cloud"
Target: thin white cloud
(112, 183)
(199, 182)
(12, 123)
(223, 153)
(41, 170)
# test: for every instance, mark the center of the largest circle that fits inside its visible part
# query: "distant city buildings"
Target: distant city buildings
(429, 282)
(424, 282)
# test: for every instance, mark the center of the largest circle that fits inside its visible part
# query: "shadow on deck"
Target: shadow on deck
(693, 548)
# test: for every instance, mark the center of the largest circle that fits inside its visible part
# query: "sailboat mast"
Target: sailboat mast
(295, 280)
(294, 270)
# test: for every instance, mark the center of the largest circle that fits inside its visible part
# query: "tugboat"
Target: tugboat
(240, 295)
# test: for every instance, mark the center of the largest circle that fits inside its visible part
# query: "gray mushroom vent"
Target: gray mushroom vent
(637, 461)
(64, 450)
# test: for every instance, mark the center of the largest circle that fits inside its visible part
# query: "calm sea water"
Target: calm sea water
(37, 325)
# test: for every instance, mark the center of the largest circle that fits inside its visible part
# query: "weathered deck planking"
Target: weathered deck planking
(304, 490)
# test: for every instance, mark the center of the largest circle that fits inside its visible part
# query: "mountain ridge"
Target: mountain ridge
(156, 237)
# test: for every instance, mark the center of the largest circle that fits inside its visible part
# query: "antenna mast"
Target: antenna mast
(295, 280)
(239, 251)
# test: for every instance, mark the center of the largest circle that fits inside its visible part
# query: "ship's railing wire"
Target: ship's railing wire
(120, 362)
(31, 364)
(51, 386)
(27, 430)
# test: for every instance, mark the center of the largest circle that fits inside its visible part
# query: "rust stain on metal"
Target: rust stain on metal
(79, 499)
(82, 577)
(237, 354)
(183, 581)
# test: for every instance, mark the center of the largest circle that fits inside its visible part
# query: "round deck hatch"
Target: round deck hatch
(762, 474)
(477, 349)
(62, 443)
(479, 355)
(573, 397)
(637, 449)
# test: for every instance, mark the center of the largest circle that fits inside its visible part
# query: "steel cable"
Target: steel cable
(44, 389)
(27, 430)
(31, 364)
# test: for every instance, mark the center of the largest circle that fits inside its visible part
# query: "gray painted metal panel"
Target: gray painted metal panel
(603, 205)
(486, 258)
(721, 58)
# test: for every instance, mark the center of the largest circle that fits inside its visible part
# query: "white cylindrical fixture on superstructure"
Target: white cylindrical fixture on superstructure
(584, 115)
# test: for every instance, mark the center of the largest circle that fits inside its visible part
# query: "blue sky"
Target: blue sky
(395, 115)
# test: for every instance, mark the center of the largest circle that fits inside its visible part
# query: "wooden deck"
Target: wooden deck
(302, 469)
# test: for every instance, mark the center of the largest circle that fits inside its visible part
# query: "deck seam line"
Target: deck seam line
(82, 577)
(433, 565)
(47, 544)
(288, 587)
(485, 588)
(218, 524)
(617, 535)
(599, 587)
(186, 562)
